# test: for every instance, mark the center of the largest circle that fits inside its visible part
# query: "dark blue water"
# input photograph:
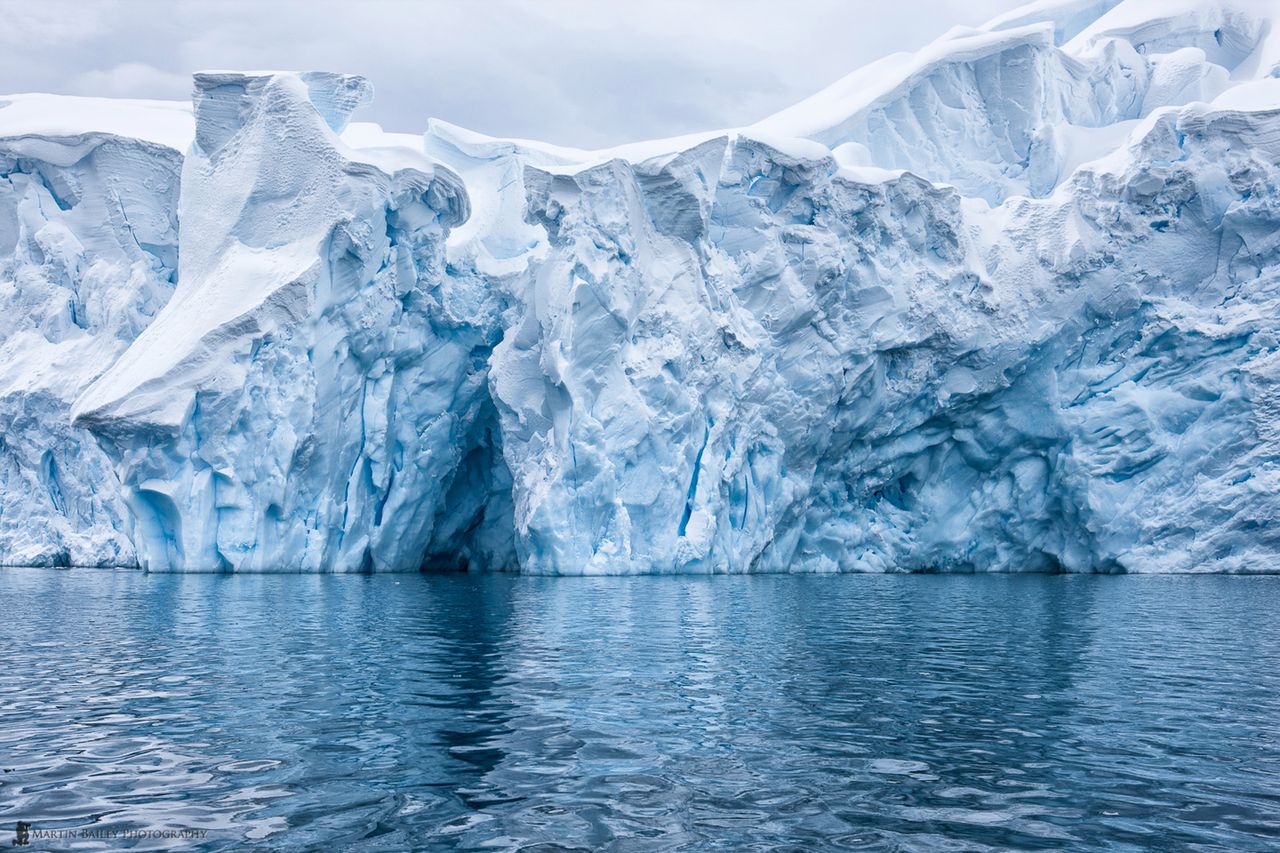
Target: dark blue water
(418, 712)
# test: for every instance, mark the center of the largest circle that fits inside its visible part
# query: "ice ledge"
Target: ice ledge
(265, 186)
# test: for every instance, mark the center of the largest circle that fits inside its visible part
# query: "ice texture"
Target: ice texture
(88, 255)
(1005, 304)
(316, 383)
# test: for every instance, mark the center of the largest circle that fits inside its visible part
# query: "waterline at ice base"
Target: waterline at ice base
(1009, 303)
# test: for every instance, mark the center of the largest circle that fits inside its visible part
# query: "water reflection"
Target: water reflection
(463, 712)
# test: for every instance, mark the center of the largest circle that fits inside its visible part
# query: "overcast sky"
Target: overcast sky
(566, 71)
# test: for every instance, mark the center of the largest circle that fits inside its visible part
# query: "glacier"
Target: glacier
(1008, 303)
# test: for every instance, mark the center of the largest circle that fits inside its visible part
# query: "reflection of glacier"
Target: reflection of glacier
(1009, 303)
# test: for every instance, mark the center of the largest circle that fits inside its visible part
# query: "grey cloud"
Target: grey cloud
(567, 71)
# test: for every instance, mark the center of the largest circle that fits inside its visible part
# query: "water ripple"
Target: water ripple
(457, 712)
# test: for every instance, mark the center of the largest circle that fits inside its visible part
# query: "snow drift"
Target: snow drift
(1005, 304)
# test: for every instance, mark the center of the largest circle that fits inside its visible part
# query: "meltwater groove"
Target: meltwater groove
(361, 713)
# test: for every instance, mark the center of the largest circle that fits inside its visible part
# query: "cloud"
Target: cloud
(50, 25)
(576, 72)
(131, 80)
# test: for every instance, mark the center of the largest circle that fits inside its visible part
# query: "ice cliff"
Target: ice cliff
(1006, 304)
(88, 255)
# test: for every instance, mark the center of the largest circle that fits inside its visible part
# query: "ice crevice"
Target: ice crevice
(1004, 304)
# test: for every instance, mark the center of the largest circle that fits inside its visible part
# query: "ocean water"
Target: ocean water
(731, 713)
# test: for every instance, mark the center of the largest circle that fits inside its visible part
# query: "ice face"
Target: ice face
(1006, 304)
(828, 374)
(88, 254)
(315, 386)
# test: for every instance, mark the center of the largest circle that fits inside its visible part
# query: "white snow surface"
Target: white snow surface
(167, 123)
(1004, 304)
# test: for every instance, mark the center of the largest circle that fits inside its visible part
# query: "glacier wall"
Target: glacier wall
(88, 256)
(790, 366)
(312, 390)
(1006, 304)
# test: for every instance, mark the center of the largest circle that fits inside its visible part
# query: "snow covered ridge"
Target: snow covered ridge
(1006, 304)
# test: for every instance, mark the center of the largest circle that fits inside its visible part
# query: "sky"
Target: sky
(572, 72)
